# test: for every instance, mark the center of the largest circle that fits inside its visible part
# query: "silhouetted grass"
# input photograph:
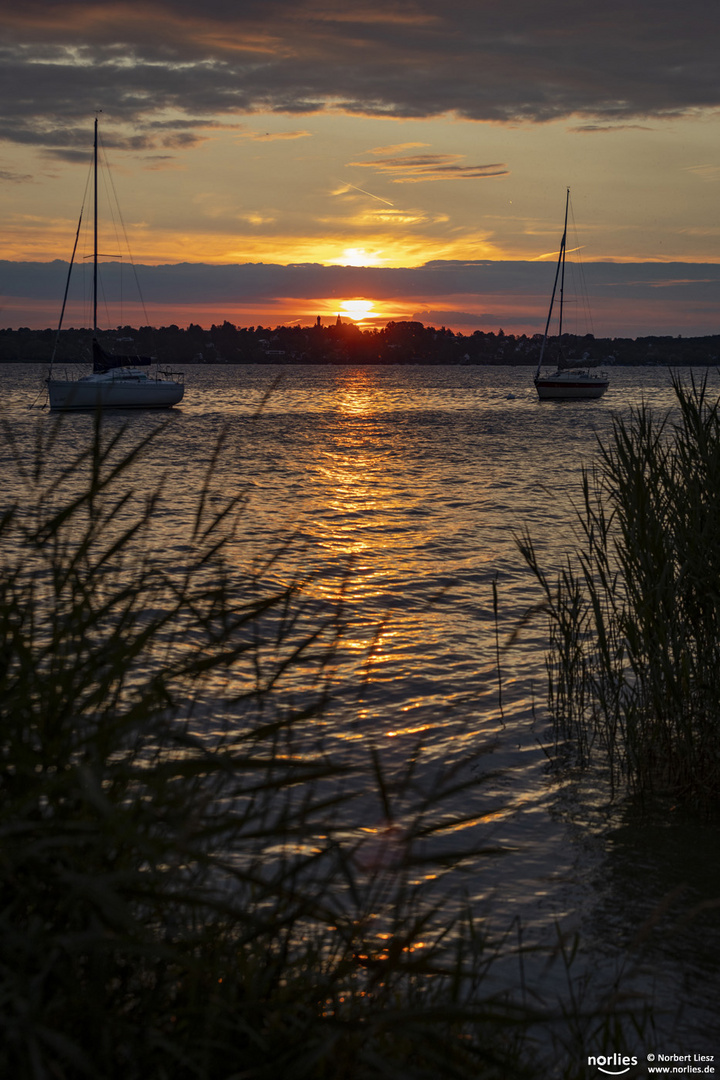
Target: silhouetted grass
(634, 661)
(184, 890)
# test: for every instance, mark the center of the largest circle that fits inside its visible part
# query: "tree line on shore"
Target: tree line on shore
(398, 342)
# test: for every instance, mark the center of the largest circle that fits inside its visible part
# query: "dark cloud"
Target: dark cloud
(417, 168)
(584, 129)
(9, 176)
(626, 299)
(612, 63)
(74, 157)
(186, 283)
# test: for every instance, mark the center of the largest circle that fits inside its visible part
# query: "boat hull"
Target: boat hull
(589, 387)
(68, 395)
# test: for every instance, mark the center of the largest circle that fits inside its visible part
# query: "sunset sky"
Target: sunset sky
(381, 160)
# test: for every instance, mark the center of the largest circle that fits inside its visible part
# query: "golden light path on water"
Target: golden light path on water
(395, 494)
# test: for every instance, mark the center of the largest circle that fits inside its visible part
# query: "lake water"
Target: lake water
(404, 488)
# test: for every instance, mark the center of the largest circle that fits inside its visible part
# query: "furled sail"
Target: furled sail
(104, 361)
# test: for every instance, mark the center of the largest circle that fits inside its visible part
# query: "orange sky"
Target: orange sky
(388, 136)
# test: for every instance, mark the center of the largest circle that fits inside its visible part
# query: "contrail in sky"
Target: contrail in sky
(356, 188)
(568, 251)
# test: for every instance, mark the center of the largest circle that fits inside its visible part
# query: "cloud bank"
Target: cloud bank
(170, 68)
(626, 299)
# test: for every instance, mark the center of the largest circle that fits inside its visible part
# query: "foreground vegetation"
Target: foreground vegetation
(184, 888)
(634, 661)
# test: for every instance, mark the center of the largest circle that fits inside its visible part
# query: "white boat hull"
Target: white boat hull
(121, 389)
(571, 385)
(117, 381)
(566, 383)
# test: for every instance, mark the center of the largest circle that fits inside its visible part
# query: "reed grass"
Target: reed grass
(634, 614)
(184, 891)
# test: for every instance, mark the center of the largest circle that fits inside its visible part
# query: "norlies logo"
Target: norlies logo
(615, 1065)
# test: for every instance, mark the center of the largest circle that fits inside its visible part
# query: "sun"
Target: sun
(358, 309)
(354, 256)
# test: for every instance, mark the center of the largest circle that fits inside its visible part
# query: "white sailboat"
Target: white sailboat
(117, 382)
(566, 382)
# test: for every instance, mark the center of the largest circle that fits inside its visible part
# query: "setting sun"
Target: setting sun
(357, 256)
(358, 309)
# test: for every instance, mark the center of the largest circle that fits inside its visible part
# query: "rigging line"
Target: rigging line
(113, 213)
(105, 304)
(95, 233)
(67, 287)
(563, 256)
(580, 279)
(125, 237)
(561, 259)
(70, 269)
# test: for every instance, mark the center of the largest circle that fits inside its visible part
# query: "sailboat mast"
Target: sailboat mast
(560, 265)
(563, 244)
(95, 233)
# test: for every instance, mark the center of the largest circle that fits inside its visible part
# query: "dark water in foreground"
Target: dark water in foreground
(404, 487)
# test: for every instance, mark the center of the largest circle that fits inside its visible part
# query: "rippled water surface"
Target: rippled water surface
(404, 488)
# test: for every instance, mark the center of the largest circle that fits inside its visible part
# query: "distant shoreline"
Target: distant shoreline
(346, 344)
(376, 363)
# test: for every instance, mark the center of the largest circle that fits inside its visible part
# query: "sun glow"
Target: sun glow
(357, 256)
(358, 309)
